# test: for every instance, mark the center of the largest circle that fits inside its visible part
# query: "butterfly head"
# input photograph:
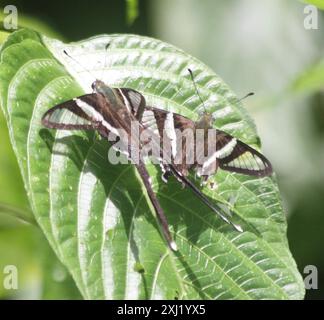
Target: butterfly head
(98, 86)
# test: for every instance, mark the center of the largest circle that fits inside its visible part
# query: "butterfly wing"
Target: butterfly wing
(82, 113)
(231, 154)
(236, 156)
(87, 112)
(134, 101)
(155, 118)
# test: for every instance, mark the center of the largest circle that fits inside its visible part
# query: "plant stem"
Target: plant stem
(17, 213)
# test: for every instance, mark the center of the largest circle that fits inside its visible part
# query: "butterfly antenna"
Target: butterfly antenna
(105, 61)
(78, 63)
(246, 96)
(196, 88)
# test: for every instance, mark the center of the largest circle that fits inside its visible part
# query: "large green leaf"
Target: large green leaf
(96, 215)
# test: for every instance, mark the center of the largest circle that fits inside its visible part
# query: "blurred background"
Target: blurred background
(259, 46)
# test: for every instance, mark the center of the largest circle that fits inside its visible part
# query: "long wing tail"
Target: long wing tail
(203, 198)
(158, 209)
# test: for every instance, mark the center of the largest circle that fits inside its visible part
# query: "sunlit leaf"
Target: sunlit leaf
(57, 283)
(96, 215)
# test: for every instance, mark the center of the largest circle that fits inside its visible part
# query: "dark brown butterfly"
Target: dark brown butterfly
(112, 110)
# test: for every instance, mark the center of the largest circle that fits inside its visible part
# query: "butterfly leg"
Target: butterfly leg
(213, 185)
(166, 172)
(165, 176)
(205, 181)
(158, 209)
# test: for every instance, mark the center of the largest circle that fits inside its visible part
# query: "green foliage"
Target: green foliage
(17, 247)
(57, 283)
(318, 3)
(96, 215)
(40, 274)
(11, 185)
(311, 80)
(26, 21)
(132, 11)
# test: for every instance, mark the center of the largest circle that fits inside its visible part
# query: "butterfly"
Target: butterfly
(112, 112)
